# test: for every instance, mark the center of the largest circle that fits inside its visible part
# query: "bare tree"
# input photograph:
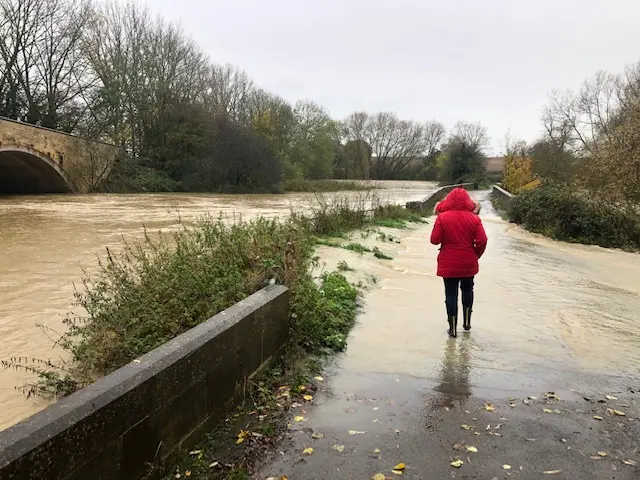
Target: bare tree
(434, 135)
(395, 143)
(472, 134)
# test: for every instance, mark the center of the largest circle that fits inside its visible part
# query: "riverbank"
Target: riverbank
(237, 448)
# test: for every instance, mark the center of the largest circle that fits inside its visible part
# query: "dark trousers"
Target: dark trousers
(451, 294)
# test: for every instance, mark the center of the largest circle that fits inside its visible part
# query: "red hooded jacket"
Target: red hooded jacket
(461, 234)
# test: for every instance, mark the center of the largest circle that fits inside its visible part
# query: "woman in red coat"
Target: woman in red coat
(459, 231)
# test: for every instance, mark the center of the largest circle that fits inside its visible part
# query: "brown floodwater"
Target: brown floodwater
(46, 242)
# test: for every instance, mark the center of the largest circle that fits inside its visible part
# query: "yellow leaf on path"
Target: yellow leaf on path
(603, 454)
(457, 463)
(620, 413)
(610, 397)
(396, 472)
(546, 410)
(379, 476)
(356, 432)
(629, 462)
(299, 418)
(400, 466)
(466, 427)
(308, 398)
(595, 457)
(552, 472)
(338, 448)
(319, 379)
(239, 440)
(302, 388)
(472, 449)
(506, 467)
(489, 408)
(187, 473)
(317, 435)
(307, 451)
(377, 450)
(597, 417)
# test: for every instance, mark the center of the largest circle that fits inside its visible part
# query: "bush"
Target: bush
(559, 212)
(130, 177)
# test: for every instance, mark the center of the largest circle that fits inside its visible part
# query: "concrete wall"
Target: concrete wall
(144, 411)
(85, 163)
(500, 197)
(425, 207)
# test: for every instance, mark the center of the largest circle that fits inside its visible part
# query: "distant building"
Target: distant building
(494, 166)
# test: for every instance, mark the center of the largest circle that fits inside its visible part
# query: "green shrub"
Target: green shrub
(559, 212)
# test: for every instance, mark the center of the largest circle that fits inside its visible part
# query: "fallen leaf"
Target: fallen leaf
(530, 439)
(239, 440)
(317, 436)
(379, 476)
(214, 464)
(598, 417)
(308, 398)
(356, 432)
(620, 413)
(512, 405)
(532, 398)
(526, 401)
(546, 410)
(299, 418)
(338, 448)
(319, 379)
(307, 451)
(400, 467)
(552, 472)
(594, 457)
(466, 427)
(506, 467)
(629, 462)
(377, 450)
(476, 433)
(457, 463)
(376, 408)
(610, 397)
(472, 449)
(396, 472)
(603, 454)
(489, 408)
(195, 452)
(187, 473)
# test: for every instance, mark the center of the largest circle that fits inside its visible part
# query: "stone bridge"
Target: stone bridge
(39, 160)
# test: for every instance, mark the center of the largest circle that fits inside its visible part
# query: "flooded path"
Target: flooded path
(46, 241)
(548, 317)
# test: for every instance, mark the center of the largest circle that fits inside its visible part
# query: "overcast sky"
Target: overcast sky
(493, 61)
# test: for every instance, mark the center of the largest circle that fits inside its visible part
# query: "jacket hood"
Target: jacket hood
(458, 199)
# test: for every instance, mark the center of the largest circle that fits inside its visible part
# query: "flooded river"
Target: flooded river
(46, 241)
(542, 306)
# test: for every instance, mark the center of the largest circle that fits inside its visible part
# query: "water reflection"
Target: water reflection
(456, 368)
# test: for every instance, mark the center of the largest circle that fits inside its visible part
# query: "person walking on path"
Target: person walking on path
(459, 231)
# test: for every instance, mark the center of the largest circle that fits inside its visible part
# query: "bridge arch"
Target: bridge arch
(24, 170)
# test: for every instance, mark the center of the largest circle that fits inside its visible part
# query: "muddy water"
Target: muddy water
(544, 311)
(46, 241)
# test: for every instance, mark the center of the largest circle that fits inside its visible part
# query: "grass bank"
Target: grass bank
(170, 283)
(302, 185)
(562, 213)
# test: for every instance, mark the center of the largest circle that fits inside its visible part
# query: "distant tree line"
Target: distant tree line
(118, 73)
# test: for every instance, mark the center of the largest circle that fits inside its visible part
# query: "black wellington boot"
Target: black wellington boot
(453, 327)
(466, 322)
